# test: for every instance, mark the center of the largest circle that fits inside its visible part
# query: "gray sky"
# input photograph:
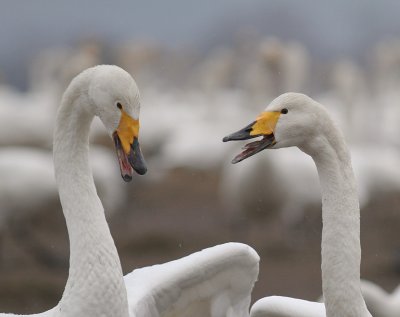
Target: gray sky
(327, 28)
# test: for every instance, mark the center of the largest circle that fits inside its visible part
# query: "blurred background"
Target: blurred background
(204, 69)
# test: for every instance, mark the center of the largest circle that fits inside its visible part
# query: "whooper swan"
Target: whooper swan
(215, 282)
(294, 119)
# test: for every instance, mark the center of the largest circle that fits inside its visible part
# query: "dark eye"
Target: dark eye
(284, 111)
(119, 105)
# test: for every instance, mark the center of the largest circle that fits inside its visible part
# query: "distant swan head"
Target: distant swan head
(292, 119)
(113, 96)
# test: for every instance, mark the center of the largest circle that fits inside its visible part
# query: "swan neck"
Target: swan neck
(340, 246)
(95, 284)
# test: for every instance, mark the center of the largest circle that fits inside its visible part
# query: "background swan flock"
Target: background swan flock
(217, 281)
(190, 141)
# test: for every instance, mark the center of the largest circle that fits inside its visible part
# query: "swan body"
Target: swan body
(294, 119)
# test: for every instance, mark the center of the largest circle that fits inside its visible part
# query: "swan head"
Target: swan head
(114, 97)
(292, 119)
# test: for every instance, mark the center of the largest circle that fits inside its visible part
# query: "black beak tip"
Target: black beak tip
(136, 158)
(127, 178)
(243, 134)
(141, 170)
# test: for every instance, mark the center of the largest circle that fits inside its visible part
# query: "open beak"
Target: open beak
(127, 146)
(264, 127)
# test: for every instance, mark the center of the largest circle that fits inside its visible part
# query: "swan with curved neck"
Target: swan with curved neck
(95, 285)
(294, 119)
(213, 282)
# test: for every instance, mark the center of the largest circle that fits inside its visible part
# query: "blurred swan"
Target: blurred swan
(242, 188)
(296, 120)
(55, 67)
(28, 183)
(379, 302)
(185, 136)
(376, 169)
(26, 119)
(28, 189)
(214, 282)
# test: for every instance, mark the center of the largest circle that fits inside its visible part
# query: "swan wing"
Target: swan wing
(213, 282)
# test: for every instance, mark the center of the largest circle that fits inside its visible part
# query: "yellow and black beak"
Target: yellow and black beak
(264, 126)
(127, 146)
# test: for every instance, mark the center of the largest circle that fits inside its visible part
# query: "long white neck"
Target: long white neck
(340, 246)
(95, 285)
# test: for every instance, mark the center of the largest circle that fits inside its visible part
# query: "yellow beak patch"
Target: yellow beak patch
(265, 123)
(127, 130)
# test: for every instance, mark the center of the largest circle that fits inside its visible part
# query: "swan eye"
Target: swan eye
(284, 111)
(119, 106)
